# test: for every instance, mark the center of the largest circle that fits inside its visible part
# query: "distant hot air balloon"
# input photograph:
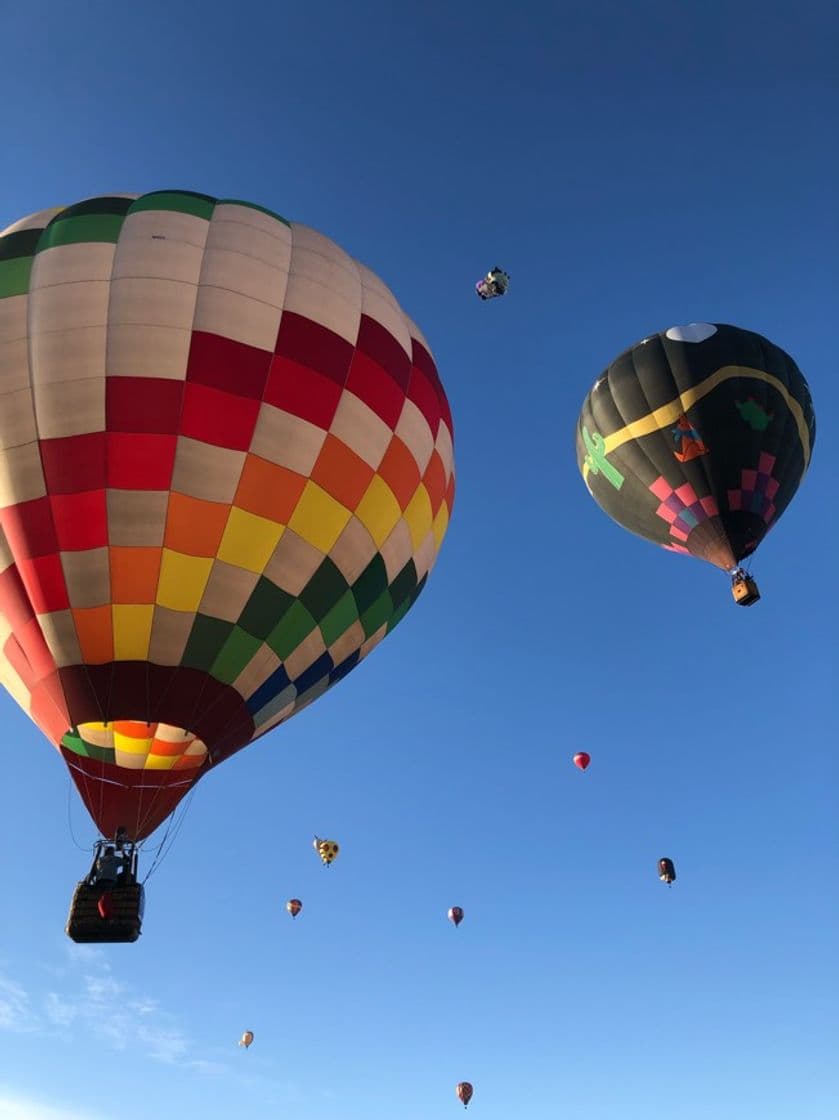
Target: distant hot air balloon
(697, 438)
(226, 472)
(666, 871)
(464, 1092)
(294, 906)
(581, 760)
(246, 1039)
(326, 849)
(456, 915)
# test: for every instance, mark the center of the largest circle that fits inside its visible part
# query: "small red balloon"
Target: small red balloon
(581, 760)
(456, 915)
(464, 1092)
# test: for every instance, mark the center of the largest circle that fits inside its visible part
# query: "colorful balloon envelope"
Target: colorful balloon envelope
(581, 760)
(246, 1039)
(464, 1092)
(456, 915)
(697, 438)
(327, 850)
(226, 472)
(294, 906)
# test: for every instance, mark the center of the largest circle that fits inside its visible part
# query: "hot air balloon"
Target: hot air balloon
(327, 850)
(464, 1092)
(246, 1039)
(581, 760)
(226, 472)
(697, 438)
(494, 284)
(456, 915)
(666, 871)
(294, 906)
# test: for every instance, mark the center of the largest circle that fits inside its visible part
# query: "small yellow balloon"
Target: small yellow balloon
(326, 849)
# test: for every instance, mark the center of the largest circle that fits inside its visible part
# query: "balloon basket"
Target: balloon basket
(124, 909)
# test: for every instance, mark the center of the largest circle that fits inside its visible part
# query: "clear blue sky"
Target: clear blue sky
(633, 166)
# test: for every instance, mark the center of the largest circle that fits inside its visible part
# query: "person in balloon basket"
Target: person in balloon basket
(108, 867)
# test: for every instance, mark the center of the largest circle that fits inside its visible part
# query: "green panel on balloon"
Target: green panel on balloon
(234, 656)
(323, 590)
(339, 619)
(377, 614)
(370, 584)
(75, 231)
(14, 276)
(404, 585)
(182, 202)
(295, 625)
(206, 640)
(267, 604)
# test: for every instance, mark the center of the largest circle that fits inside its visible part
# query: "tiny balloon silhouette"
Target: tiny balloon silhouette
(246, 1039)
(294, 906)
(456, 915)
(464, 1092)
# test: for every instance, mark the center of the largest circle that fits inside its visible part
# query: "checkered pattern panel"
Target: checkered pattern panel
(681, 509)
(757, 490)
(223, 448)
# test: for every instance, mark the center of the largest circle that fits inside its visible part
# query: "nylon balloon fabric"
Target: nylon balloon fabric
(697, 439)
(226, 472)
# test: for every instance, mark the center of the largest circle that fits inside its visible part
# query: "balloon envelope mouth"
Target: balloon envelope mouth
(137, 745)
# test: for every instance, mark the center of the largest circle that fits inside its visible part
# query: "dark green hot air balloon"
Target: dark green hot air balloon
(697, 438)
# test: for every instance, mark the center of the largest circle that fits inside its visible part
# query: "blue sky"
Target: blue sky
(633, 167)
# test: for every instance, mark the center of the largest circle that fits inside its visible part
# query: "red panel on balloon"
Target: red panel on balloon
(81, 520)
(74, 463)
(140, 462)
(315, 346)
(302, 391)
(29, 528)
(14, 602)
(222, 419)
(223, 363)
(380, 392)
(421, 392)
(43, 579)
(143, 404)
(380, 345)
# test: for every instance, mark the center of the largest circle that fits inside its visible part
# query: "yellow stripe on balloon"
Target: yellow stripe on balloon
(668, 414)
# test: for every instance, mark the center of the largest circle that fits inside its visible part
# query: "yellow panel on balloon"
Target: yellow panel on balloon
(418, 515)
(132, 632)
(249, 541)
(318, 518)
(182, 580)
(378, 511)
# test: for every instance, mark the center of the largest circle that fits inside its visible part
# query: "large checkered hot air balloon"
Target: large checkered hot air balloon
(697, 439)
(226, 473)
